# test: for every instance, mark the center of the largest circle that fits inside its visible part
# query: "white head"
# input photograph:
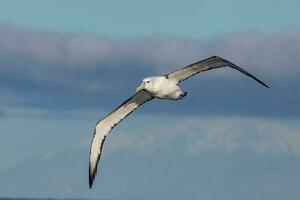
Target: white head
(147, 84)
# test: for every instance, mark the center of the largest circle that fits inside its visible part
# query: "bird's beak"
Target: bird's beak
(141, 87)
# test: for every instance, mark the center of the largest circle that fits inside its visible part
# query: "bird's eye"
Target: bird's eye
(147, 81)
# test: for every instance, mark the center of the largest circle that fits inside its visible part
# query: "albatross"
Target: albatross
(161, 87)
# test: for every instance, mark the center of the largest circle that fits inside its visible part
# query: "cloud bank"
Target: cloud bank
(71, 71)
(245, 155)
(194, 136)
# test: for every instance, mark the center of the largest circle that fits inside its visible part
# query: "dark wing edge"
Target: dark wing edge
(93, 168)
(213, 62)
(234, 66)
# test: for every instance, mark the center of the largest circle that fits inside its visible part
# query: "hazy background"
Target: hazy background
(64, 64)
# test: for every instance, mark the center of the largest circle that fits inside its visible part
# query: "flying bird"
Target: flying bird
(161, 87)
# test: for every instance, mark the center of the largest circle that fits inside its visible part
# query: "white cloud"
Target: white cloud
(268, 54)
(76, 69)
(276, 138)
(199, 135)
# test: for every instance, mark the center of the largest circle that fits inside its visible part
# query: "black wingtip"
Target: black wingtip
(91, 177)
(232, 65)
(259, 81)
(262, 83)
(265, 85)
(90, 184)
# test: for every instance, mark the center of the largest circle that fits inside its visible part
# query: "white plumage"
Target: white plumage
(162, 87)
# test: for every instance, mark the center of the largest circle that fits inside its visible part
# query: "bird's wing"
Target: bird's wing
(207, 64)
(106, 124)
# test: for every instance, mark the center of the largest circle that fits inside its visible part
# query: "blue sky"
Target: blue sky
(134, 18)
(64, 64)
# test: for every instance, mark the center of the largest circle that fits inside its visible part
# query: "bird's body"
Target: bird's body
(161, 87)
